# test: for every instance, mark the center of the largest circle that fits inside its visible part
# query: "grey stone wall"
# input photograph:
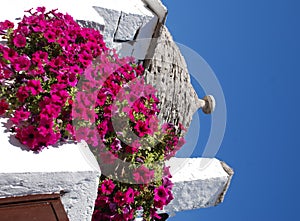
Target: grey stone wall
(167, 72)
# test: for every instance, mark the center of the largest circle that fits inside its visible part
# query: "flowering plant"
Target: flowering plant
(60, 82)
(39, 68)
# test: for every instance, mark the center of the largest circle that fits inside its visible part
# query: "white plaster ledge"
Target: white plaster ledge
(198, 183)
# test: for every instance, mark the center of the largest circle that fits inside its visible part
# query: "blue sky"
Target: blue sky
(254, 49)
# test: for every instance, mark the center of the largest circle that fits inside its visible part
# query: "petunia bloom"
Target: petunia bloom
(19, 41)
(3, 106)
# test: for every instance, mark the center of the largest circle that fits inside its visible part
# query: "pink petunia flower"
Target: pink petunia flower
(142, 128)
(22, 93)
(20, 115)
(116, 145)
(19, 41)
(34, 86)
(56, 62)
(3, 106)
(102, 129)
(50, 36)
(160, 197)
(29, 137)
(101, 201)
(63, 42)
(160, 193)
(10, 54)
(50, 110)
(22, 63)
(119, 198)
(45, 126)
(107, 187)
(85, 59)
(129, 196)
(50, 138)
(40, 56)
(6, 25)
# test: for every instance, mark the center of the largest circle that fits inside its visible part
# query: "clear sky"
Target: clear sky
(254, 49)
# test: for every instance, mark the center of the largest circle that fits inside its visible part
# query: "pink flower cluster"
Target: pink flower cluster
(115, 112)
(111, 200)
(59, 81)
(124, 114)
(163, 194)
(173, 141)
(3, 106)
(39, 67)
(118, 202)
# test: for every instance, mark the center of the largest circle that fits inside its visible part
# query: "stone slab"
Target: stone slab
(167, 71)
